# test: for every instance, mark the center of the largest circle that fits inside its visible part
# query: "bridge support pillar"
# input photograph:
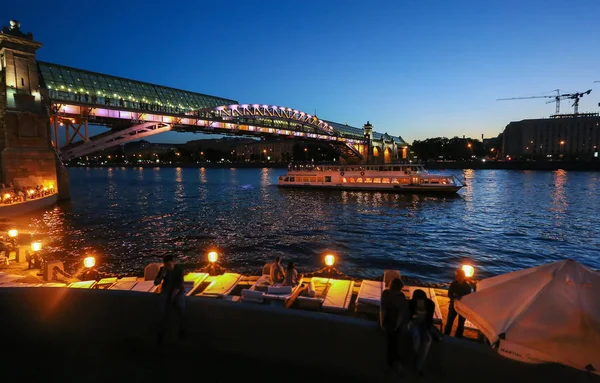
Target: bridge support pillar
(26, 155)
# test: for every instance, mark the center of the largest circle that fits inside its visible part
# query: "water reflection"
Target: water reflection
(503, 220)
(559, 198)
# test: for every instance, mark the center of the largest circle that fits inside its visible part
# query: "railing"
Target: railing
(359, 168)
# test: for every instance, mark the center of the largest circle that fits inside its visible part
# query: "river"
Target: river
(501, 221)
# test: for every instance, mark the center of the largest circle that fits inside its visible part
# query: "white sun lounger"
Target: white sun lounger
(106, 283)
(192, 280)
(145, 287)
(368, 300)
(17, 284)
(123, 285)
(221, 286)
(53, 284)
(331, 295)
(339, 296)
(82, 285)
(262, 284)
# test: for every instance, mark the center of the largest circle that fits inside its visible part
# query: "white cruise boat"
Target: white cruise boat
(397, 178)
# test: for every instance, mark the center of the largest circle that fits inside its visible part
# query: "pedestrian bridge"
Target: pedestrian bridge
(133, 110)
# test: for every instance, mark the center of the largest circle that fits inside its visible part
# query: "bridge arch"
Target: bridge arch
(262, 113)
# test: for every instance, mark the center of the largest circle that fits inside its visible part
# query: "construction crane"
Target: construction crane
(557, 98)
(575, 97)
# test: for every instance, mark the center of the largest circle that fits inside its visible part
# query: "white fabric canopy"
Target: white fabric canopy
(549, 313)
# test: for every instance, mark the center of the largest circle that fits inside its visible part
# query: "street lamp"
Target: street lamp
(36, 246)
(330, 260)
(89, 262)
(13, 233)
(468, 270)
(213, 267)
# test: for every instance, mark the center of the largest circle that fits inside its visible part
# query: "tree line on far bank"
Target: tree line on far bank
(443, 148)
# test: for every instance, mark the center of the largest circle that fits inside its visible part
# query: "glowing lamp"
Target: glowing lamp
(213, 256)
(30, 191)
(7, 196)
(13, 233)
(51, 186)
(468, 270)
(89, 262)
(45, 189)
(329, 260)
(36, 246)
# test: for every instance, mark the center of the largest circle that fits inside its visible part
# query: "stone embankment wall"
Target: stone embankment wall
(324, 342)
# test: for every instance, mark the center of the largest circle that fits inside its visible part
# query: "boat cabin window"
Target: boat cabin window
(376, 180)
(351, 180)
(319, 179)
(313, 179)
(368, 180)
(395, 181)
(327, 178)
(305, 179)
(359, 180)
(385, 180)
(292, 179)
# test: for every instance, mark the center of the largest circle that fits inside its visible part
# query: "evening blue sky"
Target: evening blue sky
(412, 68)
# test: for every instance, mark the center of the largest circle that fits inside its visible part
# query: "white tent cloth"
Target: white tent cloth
(549, 313)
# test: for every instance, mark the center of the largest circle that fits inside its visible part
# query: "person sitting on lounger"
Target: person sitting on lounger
(393, 317)
(172, 292)
(291, 275)
(421, 322)
(277, 273)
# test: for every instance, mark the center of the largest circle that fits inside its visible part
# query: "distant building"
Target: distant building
(573, 137)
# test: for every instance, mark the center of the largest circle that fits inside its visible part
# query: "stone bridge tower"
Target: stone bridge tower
(27, 157)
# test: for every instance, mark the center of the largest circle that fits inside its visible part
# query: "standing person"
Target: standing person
(291, 275)
(458, 289)
(421, 322)
(277, 273)
(393, 316)
(172, 292)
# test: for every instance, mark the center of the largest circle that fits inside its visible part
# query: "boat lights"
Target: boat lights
(36, 246)
(468, 270)
(213, 256)
(13, 233)
(89, 262)
(329, 260)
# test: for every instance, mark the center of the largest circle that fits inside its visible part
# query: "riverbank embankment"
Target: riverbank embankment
(111, 334)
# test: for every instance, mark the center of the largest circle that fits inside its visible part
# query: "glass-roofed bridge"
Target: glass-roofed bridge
(132, 110)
